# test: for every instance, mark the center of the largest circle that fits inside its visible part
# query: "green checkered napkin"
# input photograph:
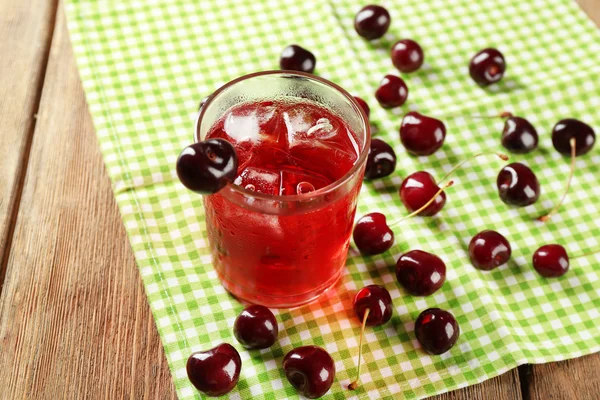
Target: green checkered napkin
(145, 65)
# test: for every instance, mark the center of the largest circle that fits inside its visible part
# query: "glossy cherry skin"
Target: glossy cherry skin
(310, 369)
(372, 22)
(379, 302)
(487, 67)
(519, 136)
(417, 189)
(256, 327)
(518, 185)
(421, 135)
(297, 58)
(551, 261)
(420, 273)
(565, 129)
(436, 330)
(381, 161)
(215, 372)
(372, 235)
(363, 104)
(407, 55)
(206, 167)
(488, 250)
(392, 92)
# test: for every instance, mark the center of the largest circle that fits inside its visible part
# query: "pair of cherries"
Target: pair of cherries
(489, 250)
(215, 372)
(436, 329)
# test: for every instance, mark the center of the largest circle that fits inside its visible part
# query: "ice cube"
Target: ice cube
(259, 180)
(295, 181)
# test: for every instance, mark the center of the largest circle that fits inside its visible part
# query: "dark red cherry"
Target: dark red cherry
(436, 330)
(379, 302)
(310, 369)
(256, 327)
(519, 136)
(363, 104)
(422, 135)
(392, 92)
(551, 261)
(420, 273)
(296, 58)
(407, 55)
(487, 67)
(215, 372)
(417, 189)
(372, 235)
(565, 129)
(206, 167)
(488, 250)
(518, 185)
(372, 22)
(381, 160)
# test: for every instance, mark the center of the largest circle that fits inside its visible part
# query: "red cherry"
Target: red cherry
(215, 372)
(297, 58)
(421, 135)
(206, 167)
(372, 22)
(372, 235)
(373, 306)
(377, 300)
(256, 327)
(436, 330)
(487, 67)
(363, 104)
(392, 92)
(551, 261)
(488, 250)
(417, 189)
(420, 273)
(407, 55)
(310, 369)
(517, 185)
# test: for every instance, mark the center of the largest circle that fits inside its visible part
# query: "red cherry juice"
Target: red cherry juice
(286, 147)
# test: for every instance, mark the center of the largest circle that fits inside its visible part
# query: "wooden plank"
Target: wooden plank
(575, 379)
(592, 8)
(25, 34)
(505, 386)
(74, 319)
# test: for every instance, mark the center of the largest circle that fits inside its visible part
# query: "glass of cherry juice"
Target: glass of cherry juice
(279, 235)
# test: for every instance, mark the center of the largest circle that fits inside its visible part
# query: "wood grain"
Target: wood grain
(25, 34)
(592, 8)
(74, 320)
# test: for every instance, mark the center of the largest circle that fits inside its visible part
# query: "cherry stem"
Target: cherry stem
(460, 164)
(546, 217)
(589, 253)
(353, 385)
(412, 214)
(503, 114)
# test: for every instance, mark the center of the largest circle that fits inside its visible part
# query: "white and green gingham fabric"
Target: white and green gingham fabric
(146, 64)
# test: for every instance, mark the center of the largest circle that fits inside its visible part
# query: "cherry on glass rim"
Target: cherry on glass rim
(207, 166)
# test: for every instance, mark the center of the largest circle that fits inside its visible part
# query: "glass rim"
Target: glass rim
(296, 197)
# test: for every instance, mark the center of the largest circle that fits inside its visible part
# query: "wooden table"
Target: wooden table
(74, 319)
